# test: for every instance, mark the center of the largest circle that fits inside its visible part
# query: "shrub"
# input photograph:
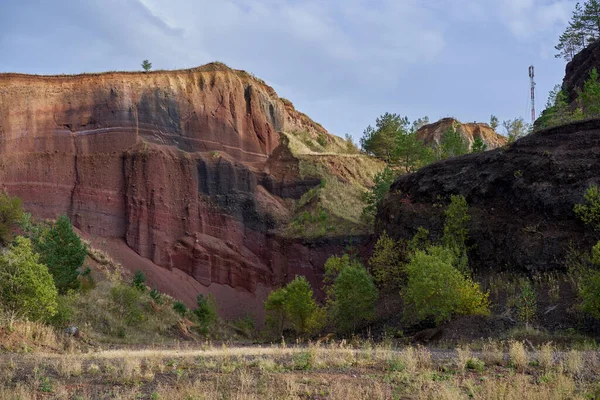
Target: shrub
(11, 212)
(589, 212)
(456, 231)
(322, 140)
(452, 144)
(352, 293)
(139, 280)
(478, 145)
(206, 311)
(294, 306)
(387, 261)
(300, 304)
(62, 250)
(126, 302)
(383, 182)
(275, 310)
(156, 296)
(26, 286)
(526, 302)
(180, 308)
(437, 290)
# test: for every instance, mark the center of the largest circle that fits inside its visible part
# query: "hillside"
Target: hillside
(433, 133)
(201, 171)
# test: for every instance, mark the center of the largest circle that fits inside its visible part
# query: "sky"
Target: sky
(342, 62)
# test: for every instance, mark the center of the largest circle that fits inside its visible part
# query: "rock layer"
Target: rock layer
(433, 133)
(521, 198)
(186, 166)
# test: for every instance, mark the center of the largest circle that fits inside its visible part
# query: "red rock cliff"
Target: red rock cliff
(185, 166)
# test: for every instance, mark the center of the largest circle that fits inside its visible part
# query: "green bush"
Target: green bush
(387, 262)
(456, 231)
(139, 281)
(526, 302)
(206, 311)
(294, 306)
(180, 308)
(26, 286)
(156, 296)
(437, 290)
(383, 182)
(588, 283)
(126, 304)
(11, 212)
(322, 140)
(62, 250)
(589, 212)
(351, 293)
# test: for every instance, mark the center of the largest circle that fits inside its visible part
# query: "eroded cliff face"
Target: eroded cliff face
(578, 70)
(521, 198)
(185, 166)
(433, 133)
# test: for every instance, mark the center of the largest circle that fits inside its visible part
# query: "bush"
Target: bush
(437, 290)
(139, 280)
(589, 212)
(589, 285)
(62, 251)
(526, 302)
(351, 295)
(456, 231)
(126, 302)
(383, 182)
(206, 311)
(156, 296)
(387, 261)
(322, 140)
(294, 306)
(11, 212)
(26, 286)
(180, 308)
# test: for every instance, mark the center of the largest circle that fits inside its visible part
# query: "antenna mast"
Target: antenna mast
(531, 77)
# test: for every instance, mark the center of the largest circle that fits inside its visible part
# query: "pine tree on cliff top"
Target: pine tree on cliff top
(583, 29)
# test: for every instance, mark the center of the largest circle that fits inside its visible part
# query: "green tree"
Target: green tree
(478, 145)
(590, 96)
(275, 309)
(526, 302)
(456, 231)
(436, 290)
(387, 262)
(383, 182)
(411, 153)
(62, 250)
(300, 304)
(381, 140)
(206, 311)
(146, 65)
(494, 122)
(588, 279)
(11, 212)
(26, 286)
(419, 123)
(589, 211)
(452, 144)
(583, 28)
(351, 293)
(516, 129)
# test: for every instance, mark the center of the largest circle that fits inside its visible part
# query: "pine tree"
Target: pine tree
(146, 65)
(590, 96)
(478, 145)
(583, 29)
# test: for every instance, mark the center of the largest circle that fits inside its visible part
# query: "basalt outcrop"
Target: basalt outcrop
(521, 198)
(186, 167)
(432, 134)
(578, 70)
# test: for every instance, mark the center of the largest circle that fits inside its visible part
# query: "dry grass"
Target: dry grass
(333, 371)
(518, 355)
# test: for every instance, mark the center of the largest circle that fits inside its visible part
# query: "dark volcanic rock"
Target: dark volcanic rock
(521, 198)
(578, 69)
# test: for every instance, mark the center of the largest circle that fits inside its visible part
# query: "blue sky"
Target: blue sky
(343, 62)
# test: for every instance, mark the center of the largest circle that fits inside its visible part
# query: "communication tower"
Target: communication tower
(532, 79)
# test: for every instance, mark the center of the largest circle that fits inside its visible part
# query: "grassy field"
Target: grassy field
(313, 371)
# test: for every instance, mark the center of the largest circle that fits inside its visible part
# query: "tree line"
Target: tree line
(583, 29)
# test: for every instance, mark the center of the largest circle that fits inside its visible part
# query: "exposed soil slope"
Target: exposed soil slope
(187, 167)
(521, 198)
(433, 133)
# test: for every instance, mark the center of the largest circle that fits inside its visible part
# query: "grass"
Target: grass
(334, 371)
(335, 206)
